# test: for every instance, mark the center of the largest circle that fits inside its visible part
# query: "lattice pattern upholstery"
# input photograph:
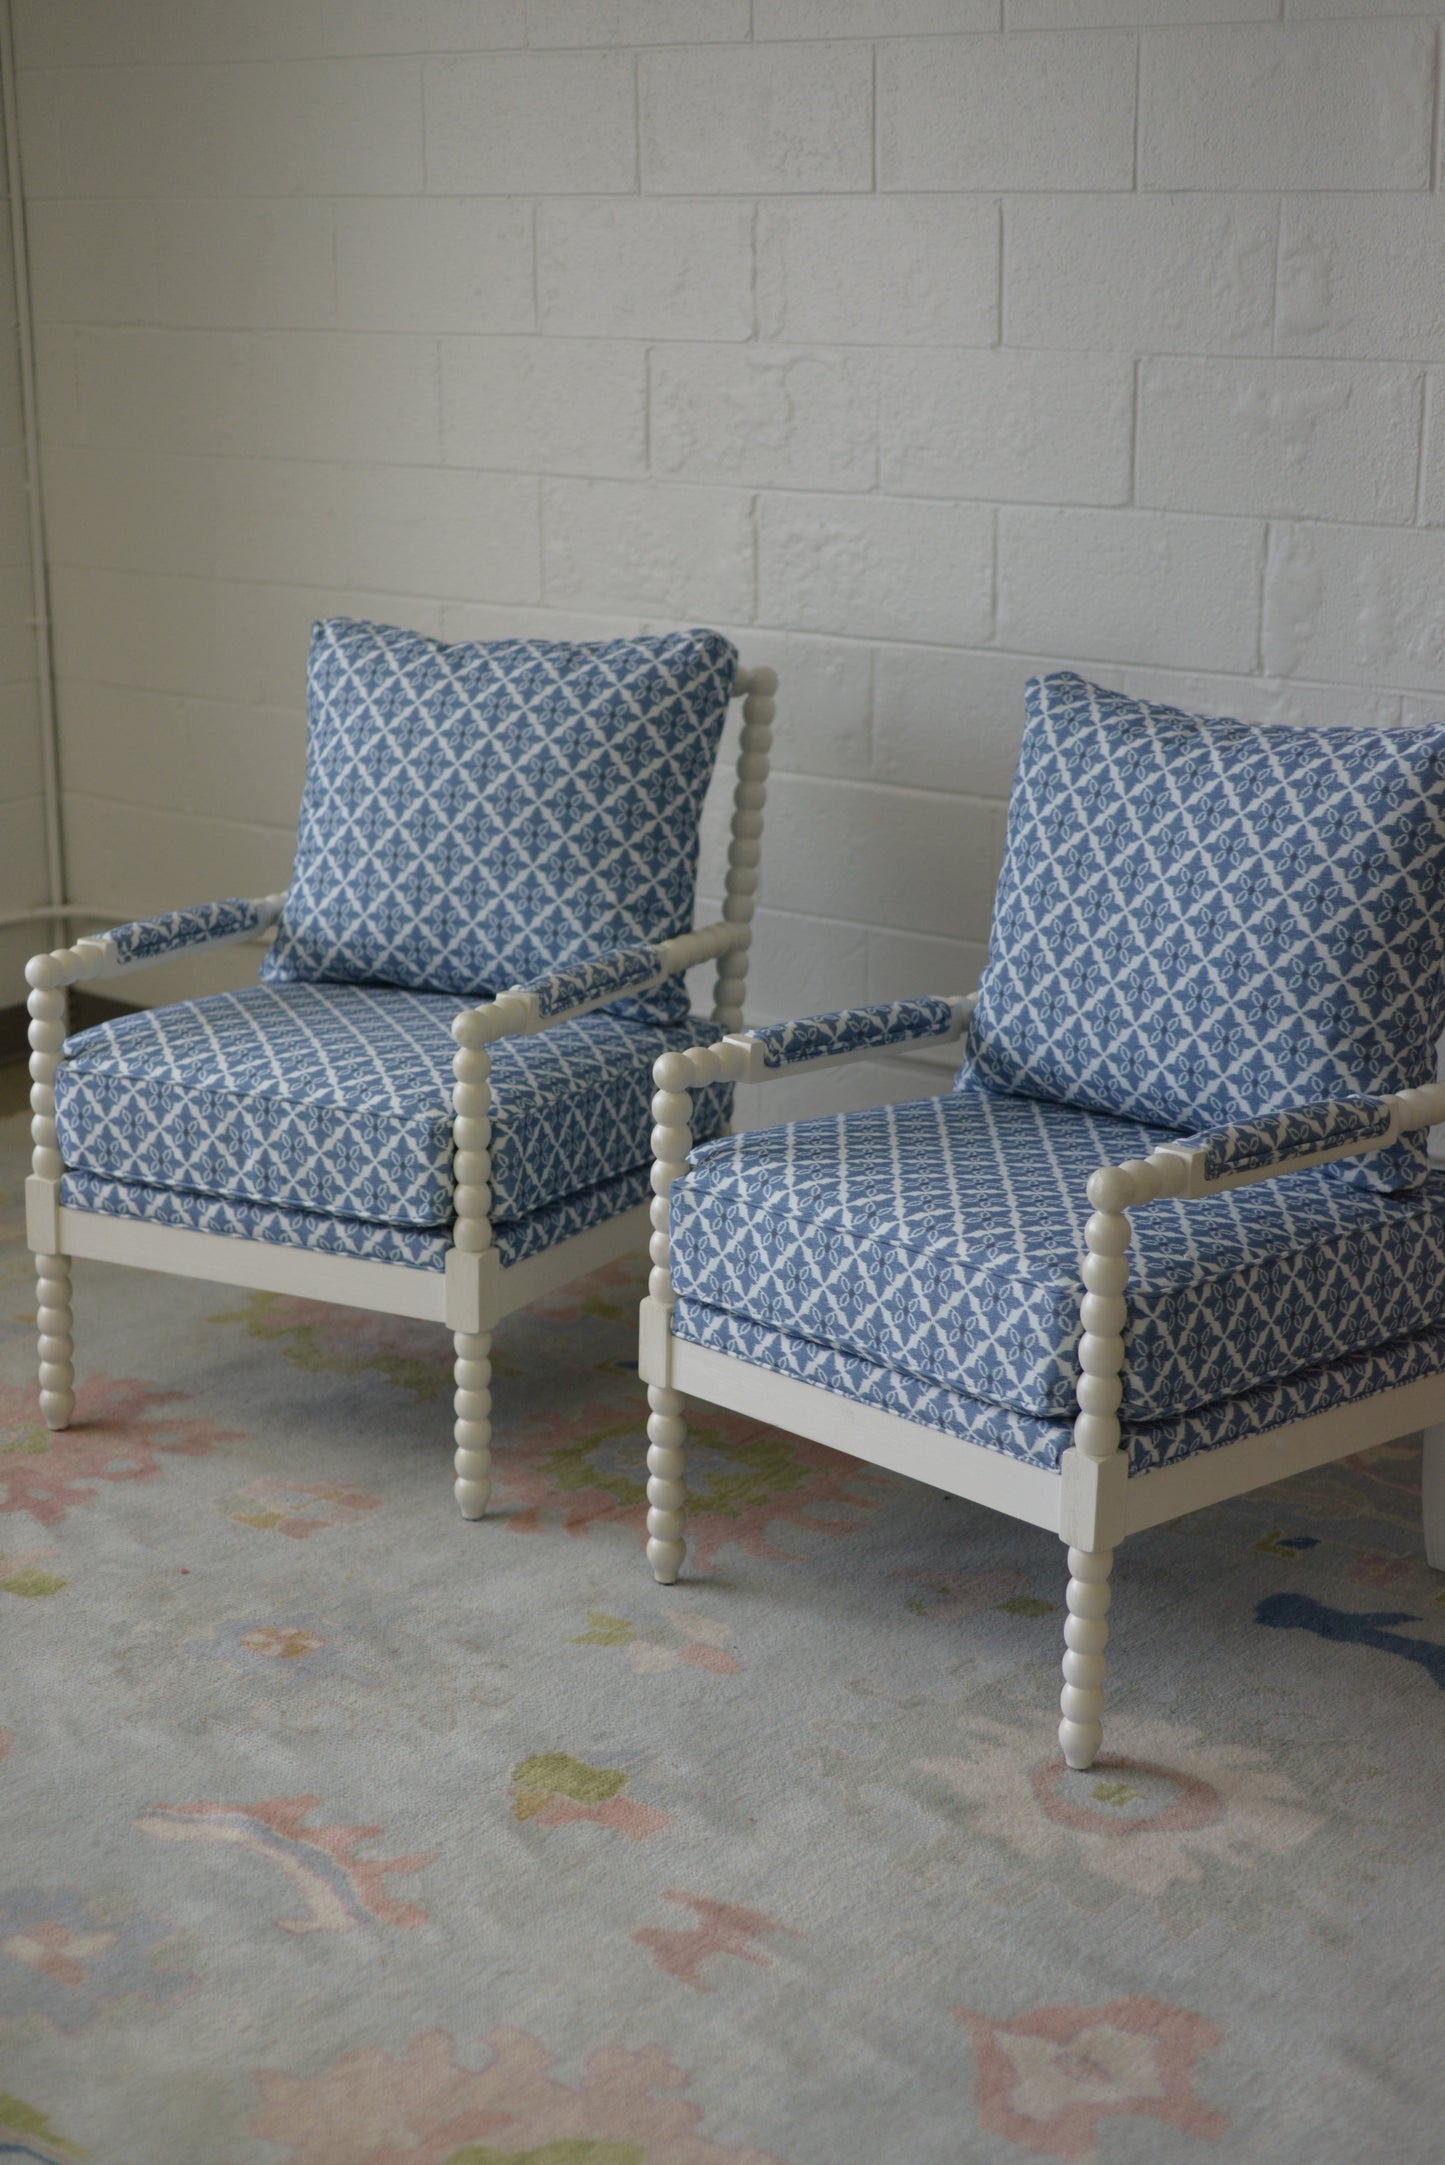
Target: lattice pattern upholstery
(1200, 922)
(942, 1239)
(1302, 1133)
(149, 938)
(336, 1098)
(853, 1029)
(414, 1247)
(475, 815)
(1042, 1442)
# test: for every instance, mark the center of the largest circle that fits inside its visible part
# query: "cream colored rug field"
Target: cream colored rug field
(339, 1832)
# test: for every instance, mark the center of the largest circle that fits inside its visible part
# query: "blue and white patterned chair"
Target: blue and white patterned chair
(436, 1101)
(1173, 1234)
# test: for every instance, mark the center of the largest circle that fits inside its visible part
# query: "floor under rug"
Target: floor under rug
(339, 1832)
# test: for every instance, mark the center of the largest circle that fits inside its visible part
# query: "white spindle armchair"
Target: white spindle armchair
(1204, 1042)
(356, 1129)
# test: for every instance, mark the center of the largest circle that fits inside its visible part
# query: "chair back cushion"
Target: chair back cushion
(1202, 921)
(476, 815)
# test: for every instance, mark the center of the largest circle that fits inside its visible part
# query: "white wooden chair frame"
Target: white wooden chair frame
(473, 1293)
(1090, 1502)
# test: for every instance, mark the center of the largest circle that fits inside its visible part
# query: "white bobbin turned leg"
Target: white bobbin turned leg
(47, 1006)
(472, 1175)
(1086, 1634)
(745, 846)
(666, 1495)
(1432, 1485)
(57, 1345)
(1097, 1436)
(472, 1429)
(673, 1076)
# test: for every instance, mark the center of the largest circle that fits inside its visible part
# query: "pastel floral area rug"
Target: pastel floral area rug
(340, 1832)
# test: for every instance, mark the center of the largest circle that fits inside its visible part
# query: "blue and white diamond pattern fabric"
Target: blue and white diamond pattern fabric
(1039, 1442)
(891, 1390)
(1199, 922)
(336, 1098)
(416, 1248)
(475, 815)
(853, 1029)
(942, 1239)
(595, 977)
(1302, 1133)
(151, 937)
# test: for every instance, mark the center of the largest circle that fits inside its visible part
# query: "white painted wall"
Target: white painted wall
(22, 810)
(917, 342)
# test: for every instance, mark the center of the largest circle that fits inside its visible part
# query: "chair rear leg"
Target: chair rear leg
(1086, 1634)
(666, 1495)
(57, 1346)
(473, 1427)
(1433, 1496)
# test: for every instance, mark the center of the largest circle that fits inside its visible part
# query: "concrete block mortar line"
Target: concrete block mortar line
(1264, 557)
(873, 114)
(1138, 87)
(647, 361)
(1138, 372)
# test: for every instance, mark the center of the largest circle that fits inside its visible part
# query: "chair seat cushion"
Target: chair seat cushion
(414, 1247)
(1039, 1442)
(942, 1239)
(337, 1099)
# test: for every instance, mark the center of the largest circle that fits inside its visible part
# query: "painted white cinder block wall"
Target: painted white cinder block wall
(916, 342)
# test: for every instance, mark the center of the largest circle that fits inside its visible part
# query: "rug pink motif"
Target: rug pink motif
(1047, 2078)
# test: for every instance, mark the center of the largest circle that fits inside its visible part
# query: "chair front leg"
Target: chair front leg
(47, 1005)
(666, 1493)
(1432, 1484)
(673, 1075)
(472, 1190)
(1086, 1634)
(472, 1428)
(1098, 1438)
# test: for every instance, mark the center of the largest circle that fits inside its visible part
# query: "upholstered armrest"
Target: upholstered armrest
(594, 981)
(1264, 1149)
(1301, 1136)
(154, 939)
(850, 1030)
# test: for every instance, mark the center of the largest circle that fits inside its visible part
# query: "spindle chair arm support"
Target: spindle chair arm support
(524, 1010)
(1266, 1149)
(1093, 1513)
(848, 1033)
(116, 953)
